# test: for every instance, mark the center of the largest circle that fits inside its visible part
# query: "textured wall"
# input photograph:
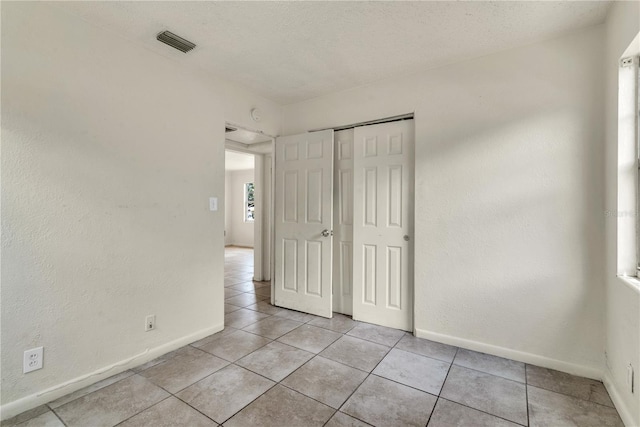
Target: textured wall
(623, 302)
(109, 155)
(509, 196)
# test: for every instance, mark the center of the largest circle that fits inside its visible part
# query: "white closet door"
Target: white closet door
(383, 224)
(343, 222)
(303, 222)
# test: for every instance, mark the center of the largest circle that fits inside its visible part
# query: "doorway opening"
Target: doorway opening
(248, 218)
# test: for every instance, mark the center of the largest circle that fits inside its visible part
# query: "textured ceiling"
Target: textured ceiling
(234, 161)
(293, 51)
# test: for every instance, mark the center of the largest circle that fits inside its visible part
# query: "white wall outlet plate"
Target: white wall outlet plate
(213, 204)
(150, 323)
(33, 359)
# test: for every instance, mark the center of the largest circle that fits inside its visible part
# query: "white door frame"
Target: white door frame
(338, 128)
(263, 229)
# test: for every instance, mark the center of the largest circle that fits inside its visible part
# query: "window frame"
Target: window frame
(636, 64)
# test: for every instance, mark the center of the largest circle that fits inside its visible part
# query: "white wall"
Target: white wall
(240, 232)
(509, 196)
(622, 301)
(105, 200)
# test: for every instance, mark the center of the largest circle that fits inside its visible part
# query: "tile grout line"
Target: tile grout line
(54, 413)
(443, 383)
(141, 411)
(489, 373)
(363, 381)
(482, 411)
(574, 397)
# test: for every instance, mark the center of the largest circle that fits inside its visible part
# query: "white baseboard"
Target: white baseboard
(622, 408)
(16, 407)
(520, 356)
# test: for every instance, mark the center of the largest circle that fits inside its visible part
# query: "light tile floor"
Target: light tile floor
(277, 367)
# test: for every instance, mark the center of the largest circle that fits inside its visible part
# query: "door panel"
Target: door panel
(343, 223)
(382, 212)
(304, 208)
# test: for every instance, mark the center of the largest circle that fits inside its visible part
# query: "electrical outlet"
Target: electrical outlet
(150, 323)
(626, 62)
(32, 359)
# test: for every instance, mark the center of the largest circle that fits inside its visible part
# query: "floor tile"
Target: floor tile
(338, 323)
(169, 413)
(488, 393)
(245, 287)
(599, 394)
(326, 381)
(46, 419)
(340, 419)
(272, 327)
(449, 414)
(224, 393)
(414, 370)
(228, 308)
(547, 408)
(357, 353)
(112, 404)
(211, 338)
(275, 360)
(296, 315)
(234, 346)
(428, 348)
(86, 390)
(310, 338)
(245, 275)
(25, 416)
(265, 307)
(279, 407)
(230, 281)
(187, 367)
(229, 292)
(378, 334)
(244, 299)
(158, 360)
(494, 365)
(561, 382)
(242, 318)
(381, 402)
(263, 292)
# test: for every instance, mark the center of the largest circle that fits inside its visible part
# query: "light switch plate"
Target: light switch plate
(213, 204)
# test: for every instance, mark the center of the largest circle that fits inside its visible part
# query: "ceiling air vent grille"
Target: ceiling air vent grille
(176, 42)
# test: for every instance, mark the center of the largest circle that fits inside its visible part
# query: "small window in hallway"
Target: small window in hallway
(249, 202)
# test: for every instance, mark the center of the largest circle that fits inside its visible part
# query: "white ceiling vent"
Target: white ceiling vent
(175, 41)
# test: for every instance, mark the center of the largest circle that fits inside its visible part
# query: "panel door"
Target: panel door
(303, 222)
(383, 224)
(343, 222)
